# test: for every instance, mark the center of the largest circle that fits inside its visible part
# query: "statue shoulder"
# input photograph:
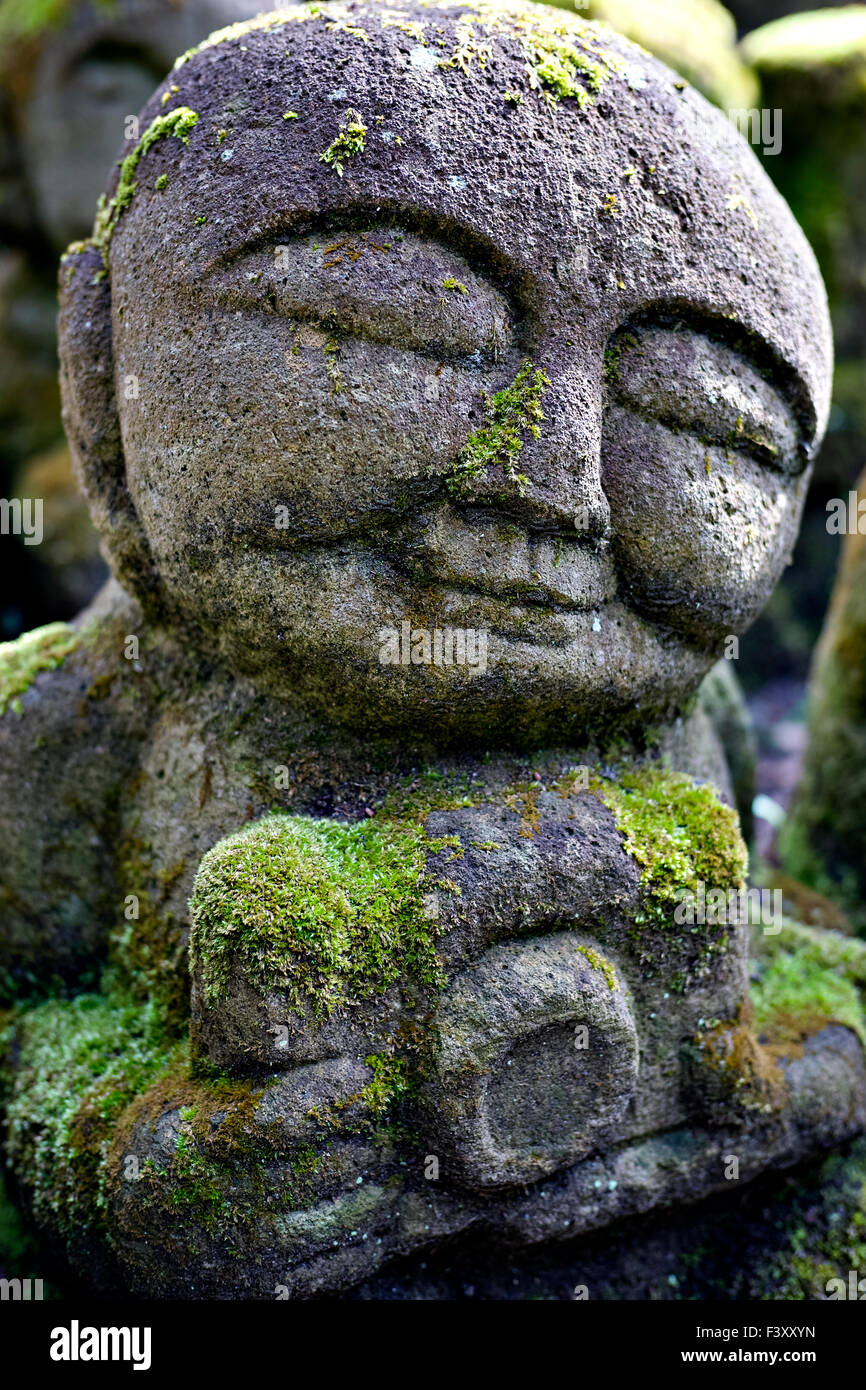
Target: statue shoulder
(73, 714)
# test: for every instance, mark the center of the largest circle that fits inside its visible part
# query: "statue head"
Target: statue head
(426, 318)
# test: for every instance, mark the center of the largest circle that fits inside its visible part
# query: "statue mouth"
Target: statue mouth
(500, 560)
(518, 592)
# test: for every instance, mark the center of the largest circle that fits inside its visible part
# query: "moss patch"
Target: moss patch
(680, 834)
(678, 831)
(146, 953)
(80, 1063)
(807, 978)
(349, 143)
(510, 414)
(177, 123)
(21, 661)
(326, 911)
(731, 1072)
(215, 1177)
(564, 58)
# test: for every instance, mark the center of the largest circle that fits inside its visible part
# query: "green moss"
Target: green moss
(613, 353)
(510, 414)
(349, 143)
(449, 283)
(807, 978)
(146, 953)
(678, 831)
(326, 911)
(680, 834)
(564, 57)
(561, 70)
(79, 1063)
(823, 1233)
(600, 963)
(335, 376)
(390, 1082)
(177, 123)
(22, 660)
(217, 1178)
(431, 790)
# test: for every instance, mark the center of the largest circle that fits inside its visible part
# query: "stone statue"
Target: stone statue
(444, 383)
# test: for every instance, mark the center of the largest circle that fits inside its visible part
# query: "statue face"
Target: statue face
(544, 373)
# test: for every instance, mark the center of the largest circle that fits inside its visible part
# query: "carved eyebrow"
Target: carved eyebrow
(481, 252)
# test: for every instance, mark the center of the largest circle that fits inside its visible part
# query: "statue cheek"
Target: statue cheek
(700, 533)
(334, 432)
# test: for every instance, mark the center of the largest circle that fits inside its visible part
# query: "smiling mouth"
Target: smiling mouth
(498, 560)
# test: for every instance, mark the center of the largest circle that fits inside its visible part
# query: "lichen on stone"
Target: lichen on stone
(240, 30)
(564, 58)
(326, 911)
(599, 963)
(22, 660)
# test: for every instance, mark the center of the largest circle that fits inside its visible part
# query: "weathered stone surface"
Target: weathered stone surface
(336, 361)
(697, 38)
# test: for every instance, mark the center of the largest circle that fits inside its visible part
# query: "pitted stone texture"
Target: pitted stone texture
(536, 1059)
(695, 37)
(382, 1209)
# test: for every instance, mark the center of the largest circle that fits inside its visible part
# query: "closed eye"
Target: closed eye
(381, 285)
(692, 384)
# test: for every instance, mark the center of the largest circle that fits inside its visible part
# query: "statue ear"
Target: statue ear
(91, 419)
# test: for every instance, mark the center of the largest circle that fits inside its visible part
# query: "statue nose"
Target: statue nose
(537, 455)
